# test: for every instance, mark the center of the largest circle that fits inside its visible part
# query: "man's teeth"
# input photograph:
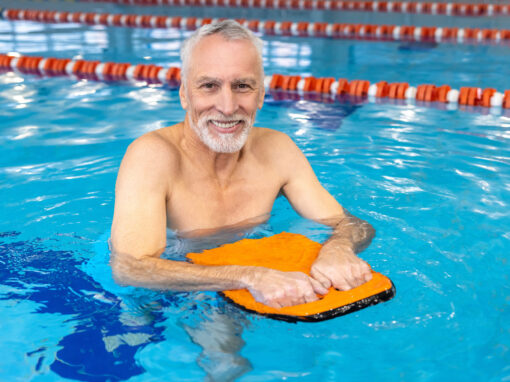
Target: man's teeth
(225, 125)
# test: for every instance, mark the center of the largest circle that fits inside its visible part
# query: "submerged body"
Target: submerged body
(214, 170)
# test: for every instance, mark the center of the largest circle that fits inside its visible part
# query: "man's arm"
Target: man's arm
(139, 237)
(337, 264)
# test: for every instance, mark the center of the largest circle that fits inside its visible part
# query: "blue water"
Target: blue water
(434, 183)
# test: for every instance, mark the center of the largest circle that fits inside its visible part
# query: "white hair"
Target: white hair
(228, 29)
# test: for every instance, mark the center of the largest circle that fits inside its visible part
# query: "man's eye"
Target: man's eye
(243, 86)
(208, 85)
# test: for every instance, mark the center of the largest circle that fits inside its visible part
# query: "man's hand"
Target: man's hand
(338, 266)
(279, 289)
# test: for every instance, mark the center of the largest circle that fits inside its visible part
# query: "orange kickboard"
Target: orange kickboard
(291, 252)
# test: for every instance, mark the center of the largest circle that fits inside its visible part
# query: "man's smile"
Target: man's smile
(226, 126)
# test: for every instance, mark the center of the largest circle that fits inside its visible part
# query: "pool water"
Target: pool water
(434, 183)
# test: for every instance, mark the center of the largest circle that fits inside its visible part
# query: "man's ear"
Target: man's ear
(183, 98)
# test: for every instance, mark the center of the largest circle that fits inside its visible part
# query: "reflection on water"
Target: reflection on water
(435, 184)
(211, 323)
(93, 318)
(180, 243)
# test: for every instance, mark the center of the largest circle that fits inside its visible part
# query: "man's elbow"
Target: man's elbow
(370, 231)
(119, 271)
(125, 270)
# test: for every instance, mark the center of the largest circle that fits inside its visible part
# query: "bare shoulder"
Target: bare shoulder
(154, 150)
(274, 144)
(278, 151)
(149, 162)
(153, 145)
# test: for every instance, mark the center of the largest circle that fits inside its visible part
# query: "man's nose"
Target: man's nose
(227, 102)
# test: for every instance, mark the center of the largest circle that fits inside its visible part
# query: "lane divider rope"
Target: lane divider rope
(280, 28)
(432, 8)
(276, 83)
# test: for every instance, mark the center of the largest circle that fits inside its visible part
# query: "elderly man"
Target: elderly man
(216, 170)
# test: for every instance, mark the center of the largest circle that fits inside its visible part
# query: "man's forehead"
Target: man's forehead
(208, 78)
(216, 57)
(218, 40)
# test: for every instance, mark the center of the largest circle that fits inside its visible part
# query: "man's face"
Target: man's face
(223, 91)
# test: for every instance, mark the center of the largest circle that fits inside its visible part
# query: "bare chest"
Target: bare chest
(204, 204)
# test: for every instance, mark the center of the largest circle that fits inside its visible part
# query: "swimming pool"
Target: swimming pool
(434, 183)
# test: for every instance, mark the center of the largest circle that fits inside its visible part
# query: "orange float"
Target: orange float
(323, 84)
(103, 19)
(392, 90)
(90, 18)
(359, 88)
(191, 23)
(471, 33)
(397, 6)
(506, 100)
(285, 82)
(442, 93)
(161, 21)
(176, 22)
(401, 90)
(426, 93)
(269, 26)
(76, 16)
(62, 17)
(309, 84)
(343, 86)
(319, 28)
(146, 21)
(426, 8)
(468, 96)
(108, 69)
(294, 82)
(276, 81)
(285, 27)
(253, 25)
(289, 252)
(382, 89)
(486, 97)
(302, 28)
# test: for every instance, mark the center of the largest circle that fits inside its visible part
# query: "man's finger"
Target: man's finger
(310, 297)
(318, 287)
(273, 304)
(364, 274)
(320, 277)
(343, 285)
(357, 277)
(368, 276)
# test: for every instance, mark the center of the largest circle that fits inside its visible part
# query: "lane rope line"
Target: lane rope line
(407, 7)
(369, 32)
(281, 86)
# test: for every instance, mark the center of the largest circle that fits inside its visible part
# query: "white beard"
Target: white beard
(222, 143)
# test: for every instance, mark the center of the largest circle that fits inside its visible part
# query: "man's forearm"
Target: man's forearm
(156, 273)
(268, 286)
(351, 231)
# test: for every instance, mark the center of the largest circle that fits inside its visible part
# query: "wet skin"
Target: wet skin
(170, 178)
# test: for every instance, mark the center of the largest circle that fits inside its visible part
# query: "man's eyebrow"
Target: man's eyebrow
(248, 80)
(207, 79)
